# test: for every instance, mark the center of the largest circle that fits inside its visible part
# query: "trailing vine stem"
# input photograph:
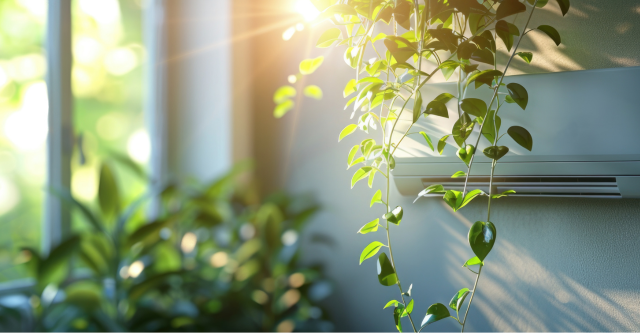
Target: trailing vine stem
(493, 99)
(494, 162)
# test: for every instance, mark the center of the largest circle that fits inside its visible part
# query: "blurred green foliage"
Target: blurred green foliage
(216, 258)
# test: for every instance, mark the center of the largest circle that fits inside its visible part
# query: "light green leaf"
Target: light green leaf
(356, 161)
(431, 189)
(409, 309)
(313, 91)
(377, 198)
(108, 193)
(473, 261)
(329, 37)
(428, 139)
(369, 227)
(503, 194)
(458, 299)
(391, 303)
(361, 174)
(453, 199)
(284, 93)
(395, 216)
(309, 66)
(347, 130)
(417, 107)
(459, 174)
(282, 108)
(350, 88)
(370, 251)
(465, 154)
(352, 154)
(442, 143)
(444, 98)
(470, 196)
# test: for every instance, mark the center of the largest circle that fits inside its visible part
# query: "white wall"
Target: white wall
(558, 264)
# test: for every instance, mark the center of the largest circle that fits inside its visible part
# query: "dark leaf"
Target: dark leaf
(435, 312)
(444, 97)
(437, 108)
(386, 273)
(506, 31)
(495, 153)
(508, 8)
(521, 136)
(552, 33)
(526, 56)
(474, 106)
(519, 94)
(466, 153)
(564, 6)
(482, 236)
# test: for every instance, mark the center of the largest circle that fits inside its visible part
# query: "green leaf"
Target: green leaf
(409, 309)
(50, 268)
(490, 129)
(437, 108)
(435, 312)
(394, 216)
(519, 94)
(541, 3)
(444, 98)
(442, 143)
(495, 153)
(352, 154)
(88, 214)
(282, 108)
(458, 299)
(459, 174)
(329, 37)
(350, 88)
(309, 66)
(337, 10)
(448, 68)
(346, 131)
(564, 6)
(470, 196)
(526, 56)
(431, 189)
(465, 154)
(284, 93)
(386, 273)
(508, 99)
(397, 315)
(483, 77)
(506, 31)
(474, 106)
(370, 251)
(369, 227)
(473, 261)
(453, 199)
(552, 33)
(508, 8)
(428, 139)
(482, 236)
(377, 198)
(356, 161)
(390, 303)
(521, 136)
(313, 91)
(108, 194)
(361, 174)
(417, 107)
(503, 194)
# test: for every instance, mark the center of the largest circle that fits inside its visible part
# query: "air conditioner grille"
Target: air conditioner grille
(605, 187)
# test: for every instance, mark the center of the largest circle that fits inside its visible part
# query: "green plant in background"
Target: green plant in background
(216, 258)
(458, 36)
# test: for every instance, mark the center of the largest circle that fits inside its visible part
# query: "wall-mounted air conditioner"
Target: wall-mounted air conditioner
(586, 132)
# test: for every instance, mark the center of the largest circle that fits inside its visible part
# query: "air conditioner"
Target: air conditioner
(586, 132)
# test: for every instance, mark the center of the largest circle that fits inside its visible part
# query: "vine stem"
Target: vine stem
(475, 286)
(495, 95)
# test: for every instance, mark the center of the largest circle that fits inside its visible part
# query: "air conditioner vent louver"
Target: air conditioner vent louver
(594, 187)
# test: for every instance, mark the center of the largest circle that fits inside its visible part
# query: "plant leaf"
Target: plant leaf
(519, 94)
(377, 198)
(437, 108)
(417, 107)
(474, 106)
(431, 189)
(428, 139)
(444, 98)
(108, 193)
(459, 174)
(503, 194)
(552, 33)
(473, 261)
(352, 154)
(442, 143)
(350, 88)
(346, 131)
(282, 108)
(369, 227)
(435, 312)
(482, 236)
(329, 37)
(508, 8)
(308, 66)
(465, 154)
(386, 273)
(313, 91)
(526, 56)
(394, 216)
(361, 174)
(284, 93)
(370, 251)
(521, 136)
(495, 152)
(458, 299)
(453, 199)
(564, 6)
(390, 303)
(470, 196)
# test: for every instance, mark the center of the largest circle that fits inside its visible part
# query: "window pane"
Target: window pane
(23, 117)
(108, 90)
